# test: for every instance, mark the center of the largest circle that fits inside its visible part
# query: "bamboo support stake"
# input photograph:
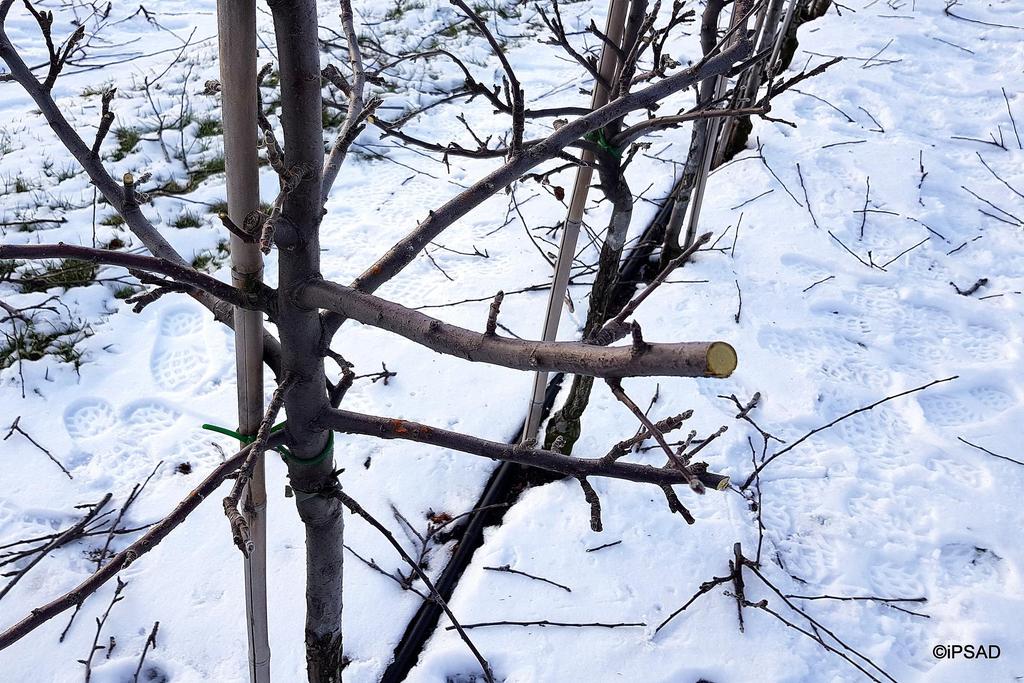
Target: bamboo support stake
(783, 32)
(739, 12)
(614, 27)
(748, 84)
(236, 20)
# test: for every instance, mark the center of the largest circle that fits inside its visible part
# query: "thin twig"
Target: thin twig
(508, 570)
(151, 539)
(239, 526)
(816, 430)
(985, 450)
(614, 326)
(1012, 120)
(705, 587)
(888, 602)
(818, 625)
(864, 213)
(132, 497)
(616, 387)
(57, 541)
(545, 622)
(100, 621)
(807, 199)
(150, 642)
(15, 427)
(602, 547)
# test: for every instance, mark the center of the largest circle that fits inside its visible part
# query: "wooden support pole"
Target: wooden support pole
(614, 27)
(236, 21)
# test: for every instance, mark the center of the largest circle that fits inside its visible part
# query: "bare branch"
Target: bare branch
(664, 426)
(56, 542)
(358, 509)
(106, 120)
(507, 569)
(358, 108)
(688, 475)
(261, 299)
(561, 38)
(239, 526)
(615, 328)
(595, 505)
(492, 315)
(150, 642)
(513, 89)
(16, 427)
(647, 126)
(393, 428)
(58, 55)
(688, 359)
(100, 622)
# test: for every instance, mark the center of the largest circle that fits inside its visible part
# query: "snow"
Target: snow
(887, 503)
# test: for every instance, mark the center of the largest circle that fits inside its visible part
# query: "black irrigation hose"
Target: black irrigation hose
(504, 486)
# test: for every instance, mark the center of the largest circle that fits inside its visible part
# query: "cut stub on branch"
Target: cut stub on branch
(720, 358)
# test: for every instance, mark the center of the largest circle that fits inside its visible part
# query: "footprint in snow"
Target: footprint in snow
(180, 356)
(117, 442)
(924, 350)
(148, 417)
(982, 344)
(853, 324)
(912, 641)
(807, 269)
(893, 580)
(949, 470)
(926, 321)
(954, 408)
(810, 556)
(89, 418)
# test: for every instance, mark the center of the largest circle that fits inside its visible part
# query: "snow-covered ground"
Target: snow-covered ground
(889, 503)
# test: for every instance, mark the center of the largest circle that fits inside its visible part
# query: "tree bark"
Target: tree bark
(566, 422)
(298, 243)
(392, 428)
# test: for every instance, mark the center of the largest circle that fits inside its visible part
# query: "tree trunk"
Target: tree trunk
(297, 237)
(565, 422)
(695, 197)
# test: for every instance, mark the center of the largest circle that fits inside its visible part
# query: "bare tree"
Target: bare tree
(308, 310)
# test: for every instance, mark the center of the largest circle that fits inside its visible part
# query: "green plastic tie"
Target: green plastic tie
(598, 138)
(246, 439)
(326, 452)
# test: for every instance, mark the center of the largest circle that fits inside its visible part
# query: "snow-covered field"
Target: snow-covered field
(890, 503)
